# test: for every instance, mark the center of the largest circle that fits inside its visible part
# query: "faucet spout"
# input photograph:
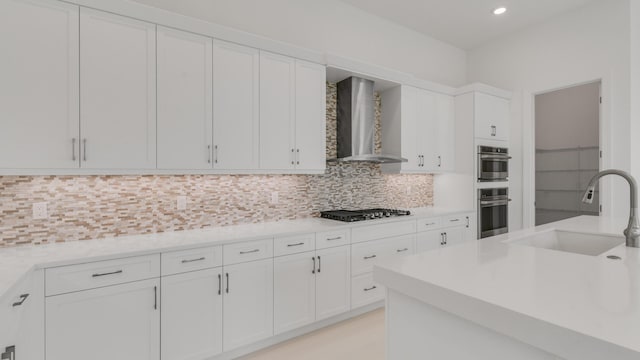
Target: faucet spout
(632, 232)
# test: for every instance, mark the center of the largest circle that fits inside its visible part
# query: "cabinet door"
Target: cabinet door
(248, 303)
(185, 100)
(333, 282)
(446, 133)
(492, 117)
(39, 91)
(409, 129)
(118, 92)
(454, 236)
(192, 315)
(114, 322)
(471, 228)
(235, 106)
(429, 240)
(427, 130)
(294, 291)
(310, 110)
(277, 112)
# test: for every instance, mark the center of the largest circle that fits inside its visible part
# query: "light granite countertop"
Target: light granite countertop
(571, 305)
(16, 262)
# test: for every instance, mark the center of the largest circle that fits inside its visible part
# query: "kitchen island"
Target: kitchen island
(523, 295)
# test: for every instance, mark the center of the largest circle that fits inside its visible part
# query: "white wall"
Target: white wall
(635, 88)
(585, 45)
(330, 26)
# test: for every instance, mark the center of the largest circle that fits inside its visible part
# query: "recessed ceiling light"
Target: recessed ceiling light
(499, 11)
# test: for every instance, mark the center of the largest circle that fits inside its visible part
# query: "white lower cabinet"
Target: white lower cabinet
(192, 315)
(248, 303)
(311, 286)
(364, 291)
(114, 322)
(431, 240)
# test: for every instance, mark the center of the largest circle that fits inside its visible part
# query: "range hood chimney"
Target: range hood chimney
(356, 123)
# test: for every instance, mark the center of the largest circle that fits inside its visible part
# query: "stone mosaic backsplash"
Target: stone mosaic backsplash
(88, 207)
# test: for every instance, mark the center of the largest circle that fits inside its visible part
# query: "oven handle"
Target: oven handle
(494, 157)
(494, 203)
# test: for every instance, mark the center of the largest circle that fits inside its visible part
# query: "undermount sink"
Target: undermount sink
(573, 242)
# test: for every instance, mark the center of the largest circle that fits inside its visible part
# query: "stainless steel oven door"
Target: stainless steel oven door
(493, 214)
(493, 167)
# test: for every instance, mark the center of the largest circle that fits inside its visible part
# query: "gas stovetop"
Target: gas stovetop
(361, 215)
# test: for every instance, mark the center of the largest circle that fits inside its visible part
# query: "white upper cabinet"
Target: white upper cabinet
(426, 136)
(236, 101)
(39, 86)
(446, 155)
(310, 113)
(491, 117)
(185, 100)
(277, 112)
(118, 92)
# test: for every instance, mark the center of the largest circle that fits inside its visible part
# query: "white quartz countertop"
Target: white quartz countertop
(574, 306)
(16, 262)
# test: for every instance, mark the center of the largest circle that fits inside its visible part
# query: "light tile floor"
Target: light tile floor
(358, 338)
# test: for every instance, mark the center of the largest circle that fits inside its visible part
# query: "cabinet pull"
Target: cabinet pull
(493, 130)
(193, 260)
(402, 250)
(73, 149)
(439, 161)
(23, 298)
(84, 149)
(215, 154)
(249, 252)
(155, 298)
(298, 244)
(297, 156)
(219, 284)
(209, 154)
(334, 238)
(319, 264)
(430, 224)
(227, 290)
(314, 265)
(371, 288)
(441, 238)
(467, 222)
(293, 157)
(445, 238)
(370, 257)
(454, 220)
(109, 273)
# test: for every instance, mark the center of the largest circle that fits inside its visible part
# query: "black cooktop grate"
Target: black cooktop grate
(361, 215)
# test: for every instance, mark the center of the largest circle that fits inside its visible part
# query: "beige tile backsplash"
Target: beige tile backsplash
(87, 207)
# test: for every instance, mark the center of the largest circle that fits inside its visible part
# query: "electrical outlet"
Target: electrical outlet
(181, 203)
(40, 211)
(274, 197)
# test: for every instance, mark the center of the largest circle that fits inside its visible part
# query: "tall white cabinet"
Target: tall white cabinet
(117, 92)
(39, 86)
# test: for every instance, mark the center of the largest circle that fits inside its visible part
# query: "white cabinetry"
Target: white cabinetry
(450, 230)
(491, 117)
(419, 125)
(118, 92)
(185, 100)
(236, 101)
(39, 97)
(248, 303)
(113, 322)
(292, 114)
(333, 293)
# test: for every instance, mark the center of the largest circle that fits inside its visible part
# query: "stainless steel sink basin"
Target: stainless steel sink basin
(573, 242)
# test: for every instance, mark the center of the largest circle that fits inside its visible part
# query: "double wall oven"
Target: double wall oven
(493, 212)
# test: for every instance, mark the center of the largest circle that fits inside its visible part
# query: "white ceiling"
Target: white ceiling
(466, 23)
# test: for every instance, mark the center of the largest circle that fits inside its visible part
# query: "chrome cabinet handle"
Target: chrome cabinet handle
(109, 273)
(334, 238)
(297, 156)
(445, 238)
(292, 245)
(293, 157)
(441, 238)
(439, 161)
(419, 160)
(467, 221)
(84, 149)
(73, 149)
(209, 154)
(493, 130)
(155, 298)
(430, 224)
(402, 250)
(227, 290)
(314, 265)
(193, 260)
(23, 298)
(454, 220)
(319, 264)
(371, 288)
(370, 257)
(219, 284)
(249, 252)
(215, 154)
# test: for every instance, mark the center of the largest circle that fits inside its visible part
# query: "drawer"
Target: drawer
(429, 224)
(454, 220)
(176, 262)
(247, 251)
(333, 238)
(365, 255)
(364, 291)
(294, 244)
(381, 231)
(65, 279)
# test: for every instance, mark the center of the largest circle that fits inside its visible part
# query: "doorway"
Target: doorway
(567, 156)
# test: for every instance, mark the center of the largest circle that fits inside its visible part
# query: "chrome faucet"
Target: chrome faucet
(632, 232)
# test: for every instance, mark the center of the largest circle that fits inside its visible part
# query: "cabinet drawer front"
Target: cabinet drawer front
(429, 224)
(294, 244)
(247, 251)
(454, 220)
(65, 279)
(177, 262)
(365, 255)
(364, 291)
(333, 238)
(381, 231)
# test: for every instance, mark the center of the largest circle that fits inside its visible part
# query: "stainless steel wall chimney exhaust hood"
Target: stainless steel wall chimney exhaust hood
(356, 123)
